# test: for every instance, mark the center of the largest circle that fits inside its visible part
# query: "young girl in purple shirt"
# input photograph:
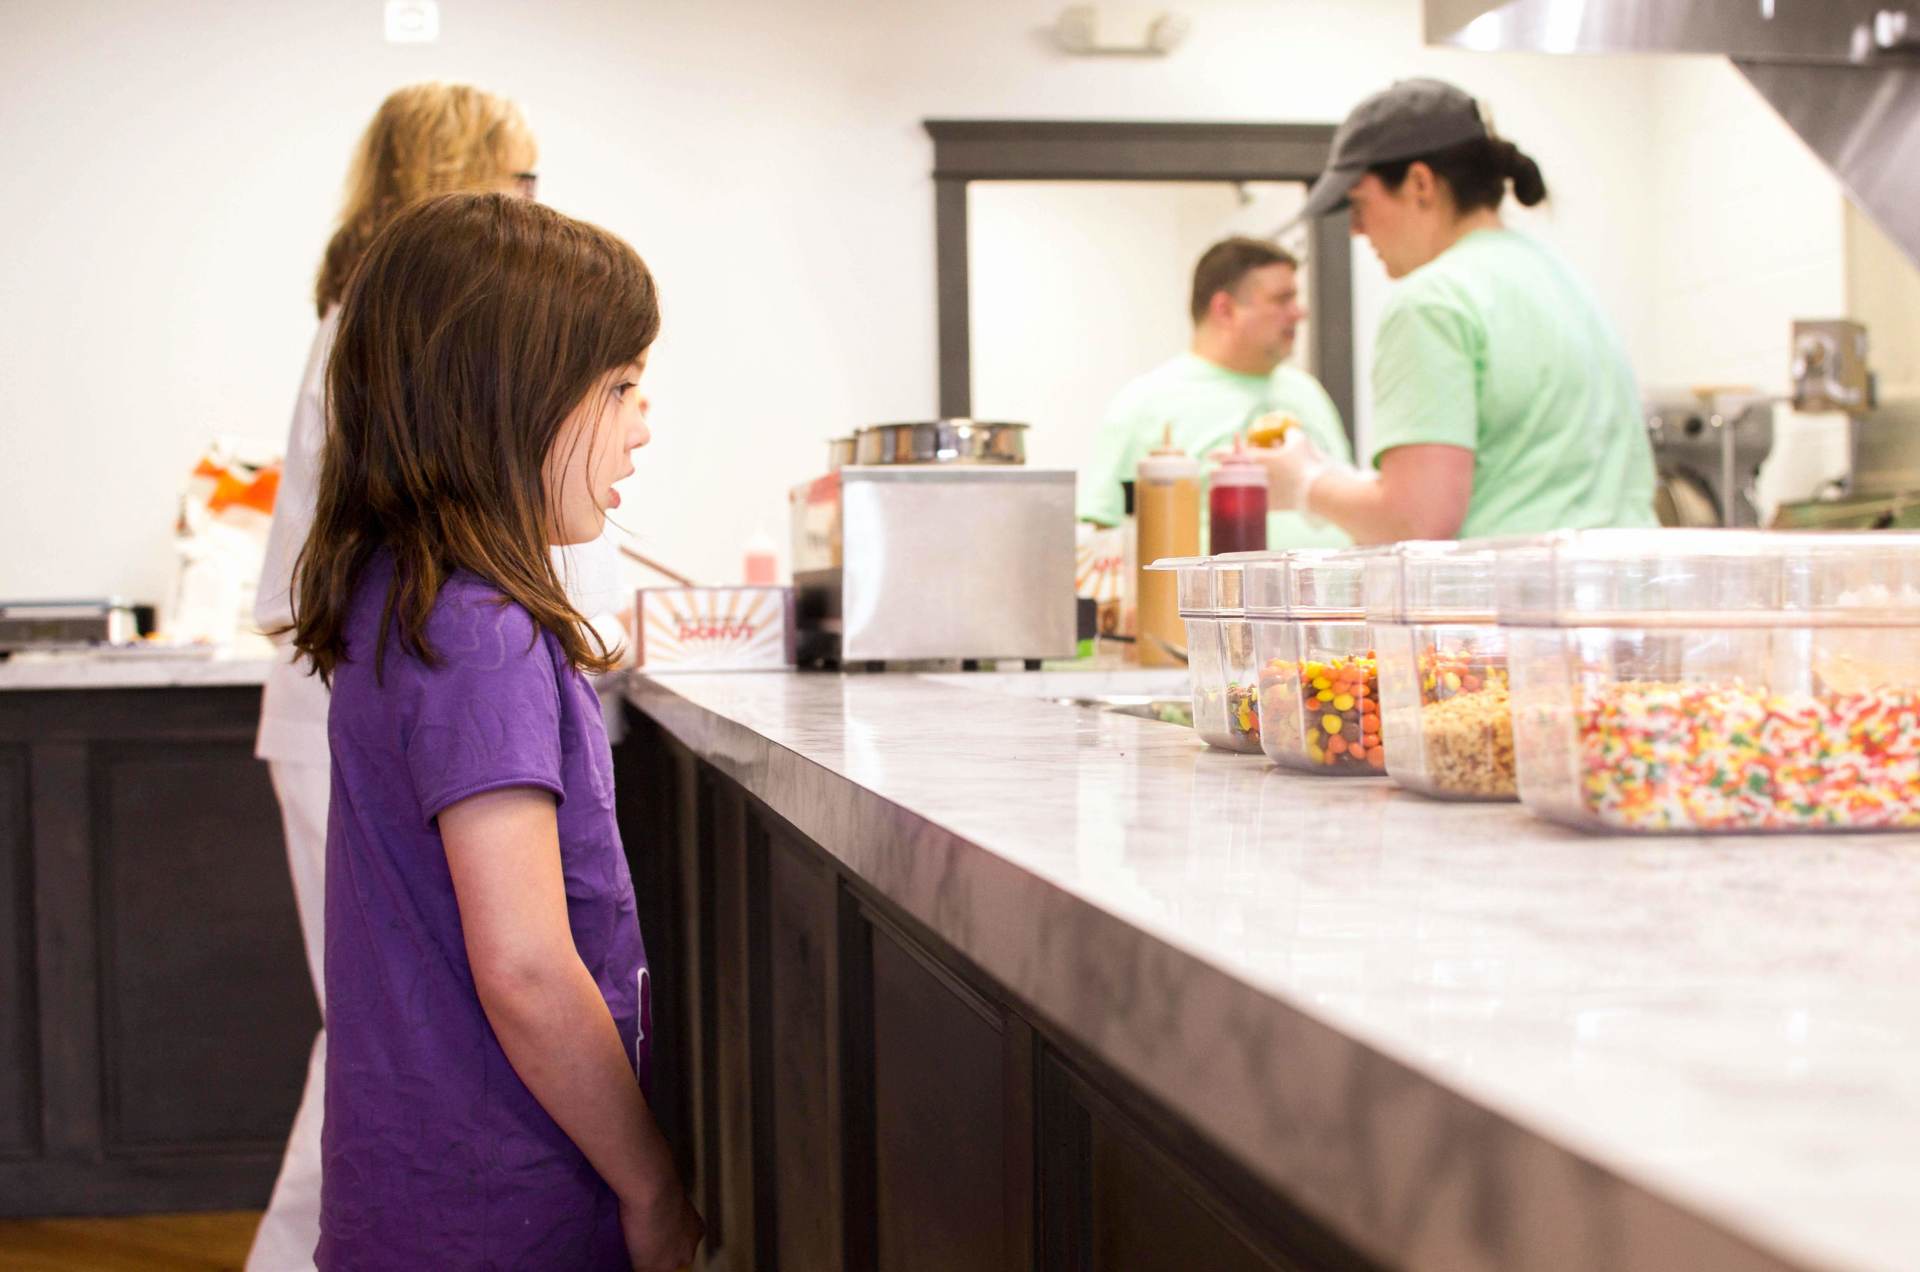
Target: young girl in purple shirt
(486, 985)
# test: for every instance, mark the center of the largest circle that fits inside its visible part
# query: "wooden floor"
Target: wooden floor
(213, 1242)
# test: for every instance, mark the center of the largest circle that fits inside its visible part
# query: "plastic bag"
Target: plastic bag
(221, 539)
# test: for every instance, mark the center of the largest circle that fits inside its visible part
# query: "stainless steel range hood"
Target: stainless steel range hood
(1844, 74)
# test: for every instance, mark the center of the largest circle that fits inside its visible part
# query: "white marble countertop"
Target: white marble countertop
(1463, 1037)
(138, 668)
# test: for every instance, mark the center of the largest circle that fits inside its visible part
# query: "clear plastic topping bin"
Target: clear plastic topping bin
(1238, 664)
(1319, 690)
(1206, 668)
(1716, 680)
(1444, 712)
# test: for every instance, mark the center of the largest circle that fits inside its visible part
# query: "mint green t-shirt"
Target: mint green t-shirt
(1207, 404)
(1496, 347)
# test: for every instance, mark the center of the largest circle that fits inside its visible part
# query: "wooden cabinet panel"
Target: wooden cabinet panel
(865, 1099)
(939, 1099)
(649, 811)
(687, 834)
(19, 1037)
(1126, 1188)
(207, 1010)
(156, 1011)
(1147, 1214)
(801, 914)
(65, 944)
(738, 1214)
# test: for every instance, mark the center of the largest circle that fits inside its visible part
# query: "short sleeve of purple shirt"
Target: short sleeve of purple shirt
(434, 1153)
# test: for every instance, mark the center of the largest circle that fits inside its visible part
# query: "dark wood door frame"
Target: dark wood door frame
(966, 150)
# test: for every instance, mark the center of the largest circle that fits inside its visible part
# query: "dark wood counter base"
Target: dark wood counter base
(155, 1008)
(842, 1087)
(848, 1092)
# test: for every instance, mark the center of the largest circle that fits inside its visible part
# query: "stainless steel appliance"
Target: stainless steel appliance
(1707, 450)
(1882, 489)
(81, 624)
(954, 560)
(1830, 371)
(1886, 448)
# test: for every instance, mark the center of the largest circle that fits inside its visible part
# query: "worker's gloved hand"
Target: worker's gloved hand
(1292, 467)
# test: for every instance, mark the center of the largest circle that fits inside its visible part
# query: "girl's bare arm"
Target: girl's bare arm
(504, 854)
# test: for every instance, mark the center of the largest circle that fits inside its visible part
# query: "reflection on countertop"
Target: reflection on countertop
(1374, 998)
(138, 666)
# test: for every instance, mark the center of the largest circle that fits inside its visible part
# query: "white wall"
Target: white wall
(1075, 288)
(173, 168)
(1747, 233)
(1883, 291)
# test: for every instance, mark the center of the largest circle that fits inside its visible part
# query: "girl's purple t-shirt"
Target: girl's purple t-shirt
(435, 1154)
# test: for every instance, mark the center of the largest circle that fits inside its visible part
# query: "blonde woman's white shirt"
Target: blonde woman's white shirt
(293, 708)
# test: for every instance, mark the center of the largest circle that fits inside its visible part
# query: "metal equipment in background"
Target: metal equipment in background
(941, 547)
(1843, 74)
(1707, 451)
(75, 624)
(1881, 489)
(1709, 445)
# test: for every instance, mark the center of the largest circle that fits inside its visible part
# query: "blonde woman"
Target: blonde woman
(426, 139)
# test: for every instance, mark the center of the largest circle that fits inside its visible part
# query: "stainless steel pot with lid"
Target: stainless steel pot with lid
(953, 441)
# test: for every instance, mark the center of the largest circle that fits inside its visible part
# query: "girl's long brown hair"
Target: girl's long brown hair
(426, 139)
(474, 326)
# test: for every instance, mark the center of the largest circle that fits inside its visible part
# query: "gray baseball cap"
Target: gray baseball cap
(1412, 118)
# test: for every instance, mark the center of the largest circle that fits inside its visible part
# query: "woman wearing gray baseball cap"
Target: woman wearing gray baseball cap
(1502, 399)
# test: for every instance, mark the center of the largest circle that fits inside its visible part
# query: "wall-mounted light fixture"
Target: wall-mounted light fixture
(413, 21)
(1127, 30)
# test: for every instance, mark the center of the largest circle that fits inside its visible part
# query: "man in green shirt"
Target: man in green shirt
(1246, 308)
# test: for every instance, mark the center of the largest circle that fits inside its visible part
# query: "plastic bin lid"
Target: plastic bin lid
(1264, 582)
(1327, 582)
(1709, 578)
(1194, 582)
(1233, 576)
(1433, 580)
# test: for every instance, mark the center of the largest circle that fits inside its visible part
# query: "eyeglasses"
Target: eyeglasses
(526, 184)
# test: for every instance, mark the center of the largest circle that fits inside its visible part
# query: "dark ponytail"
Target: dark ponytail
(1529, 187)
(1477, 172)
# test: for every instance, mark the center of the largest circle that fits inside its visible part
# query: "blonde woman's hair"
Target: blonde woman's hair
(425, 139)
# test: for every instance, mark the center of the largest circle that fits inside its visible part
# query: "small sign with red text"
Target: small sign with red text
(714, 628)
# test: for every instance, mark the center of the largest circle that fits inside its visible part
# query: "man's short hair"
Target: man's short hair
(1227, 262)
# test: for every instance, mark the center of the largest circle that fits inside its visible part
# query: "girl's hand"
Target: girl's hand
(663, 1235)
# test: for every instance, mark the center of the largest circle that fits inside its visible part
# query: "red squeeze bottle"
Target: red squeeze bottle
(1237, 503)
